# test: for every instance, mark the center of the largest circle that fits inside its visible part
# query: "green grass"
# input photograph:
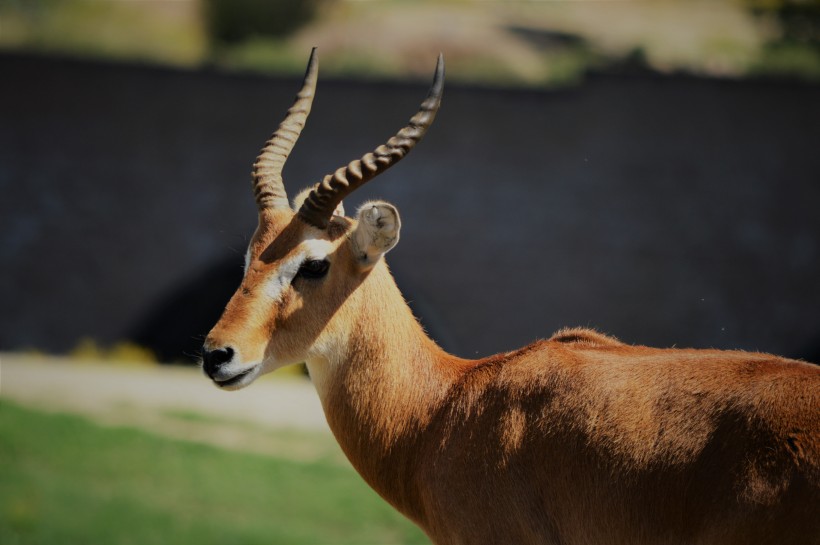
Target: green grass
(397, 39)
(789, 59)
(161, 32)
(65, 480)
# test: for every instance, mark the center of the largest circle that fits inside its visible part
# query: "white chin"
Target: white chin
(240, 380)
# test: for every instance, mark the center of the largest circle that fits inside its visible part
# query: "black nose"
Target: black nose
(213, 359)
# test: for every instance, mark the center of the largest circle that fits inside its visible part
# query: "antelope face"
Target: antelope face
(297, 281)
(290, 267)
(304, 264)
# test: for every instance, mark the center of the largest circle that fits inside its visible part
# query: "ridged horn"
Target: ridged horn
(323, 199)
(268, 188)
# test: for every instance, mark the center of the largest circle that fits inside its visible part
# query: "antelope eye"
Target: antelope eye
(313, 268)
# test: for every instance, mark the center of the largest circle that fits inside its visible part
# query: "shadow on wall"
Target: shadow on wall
(176, 327)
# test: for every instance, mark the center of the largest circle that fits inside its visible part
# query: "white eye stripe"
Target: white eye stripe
(282, 278)
(287, 270)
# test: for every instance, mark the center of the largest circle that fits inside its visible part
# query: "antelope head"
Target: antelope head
(306, 266)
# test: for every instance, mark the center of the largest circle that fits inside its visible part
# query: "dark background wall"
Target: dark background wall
(664, 210)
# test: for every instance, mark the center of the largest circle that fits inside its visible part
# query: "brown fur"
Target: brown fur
(579, 439)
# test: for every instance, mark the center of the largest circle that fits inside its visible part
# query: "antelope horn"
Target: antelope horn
(267, 170)
(323, 199)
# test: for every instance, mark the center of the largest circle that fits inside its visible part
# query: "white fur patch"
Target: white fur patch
(284, 274)
(316, 248)
(282, 277)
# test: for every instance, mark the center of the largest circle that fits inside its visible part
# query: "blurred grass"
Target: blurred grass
(65, 480)
(788, 59)
(489, 43)
(153, 31)
(87, 349)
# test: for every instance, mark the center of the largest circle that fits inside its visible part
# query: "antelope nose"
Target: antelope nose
(212, 360)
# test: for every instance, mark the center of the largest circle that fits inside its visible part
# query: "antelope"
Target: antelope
(577, 439)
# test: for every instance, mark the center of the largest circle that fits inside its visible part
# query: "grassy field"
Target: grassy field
(66, 480)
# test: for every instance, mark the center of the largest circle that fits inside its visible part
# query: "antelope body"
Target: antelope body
(579, 439)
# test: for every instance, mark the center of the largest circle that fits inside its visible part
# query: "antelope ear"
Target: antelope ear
(299, 200)
(376, 233)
